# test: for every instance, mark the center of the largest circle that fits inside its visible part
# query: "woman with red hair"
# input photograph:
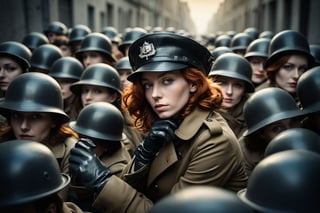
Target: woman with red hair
(187, 142)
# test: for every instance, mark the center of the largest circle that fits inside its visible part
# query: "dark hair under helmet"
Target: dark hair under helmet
(165, 51)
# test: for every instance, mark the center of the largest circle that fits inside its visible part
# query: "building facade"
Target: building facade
(273, 15)
(19, 17)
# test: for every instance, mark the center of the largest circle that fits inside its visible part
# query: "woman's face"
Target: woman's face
(92, 57)
(33, 126)
(91, 94)
(232, 89)
(123, 78)
(270, 131)
(258, 73)
(65, 87)
(166, 92)
(9, 70)
(288, 75)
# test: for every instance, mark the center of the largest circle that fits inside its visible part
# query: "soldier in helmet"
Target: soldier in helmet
(34, 40)
(100, 126)
(240, 42)
(115, 38)
(66, 71)
(289, 57)
(233, 73)
(173, 101)
(101, 83)
(43, 58)
(56, 31)
(257, 54)
(308, 90)
(267, 113)
(77, 34)
(286, 181)
(33, 106)
(31, 180)
(96, 48)
(129, 37)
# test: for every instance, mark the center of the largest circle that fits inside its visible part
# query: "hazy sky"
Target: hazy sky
(202, 11)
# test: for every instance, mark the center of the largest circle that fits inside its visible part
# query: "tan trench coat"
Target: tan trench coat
(207, 154)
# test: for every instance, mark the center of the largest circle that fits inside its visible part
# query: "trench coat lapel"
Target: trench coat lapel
(166, 157)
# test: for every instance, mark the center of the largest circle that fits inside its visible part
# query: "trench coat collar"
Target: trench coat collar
(191, 124)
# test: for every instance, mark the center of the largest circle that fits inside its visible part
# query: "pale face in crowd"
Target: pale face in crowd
(270, 131)
(92, 94)
(65, 87)
(9, 70)
(232, 89)
(123, 74)
(93, 57)
(166, 92)
(288, 75)
(33, 126)
(258, 73)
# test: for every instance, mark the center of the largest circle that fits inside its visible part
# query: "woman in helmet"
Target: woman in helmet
(267, 113)
(33, 106)
(66, 71)
(77, 34)
(187, 142)
(308, 91)
(233, 73)
(124, 69)
(96, 48)
(56, 31)
(14, 60)
(31, 180)
(257, 54)
(289, 57)
(101, 83)
(100, 126)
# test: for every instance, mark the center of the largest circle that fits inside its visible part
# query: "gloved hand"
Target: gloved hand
(86, 168)
(161, 132)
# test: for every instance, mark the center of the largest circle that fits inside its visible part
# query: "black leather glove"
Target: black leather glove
(86, 168)
(161, 132)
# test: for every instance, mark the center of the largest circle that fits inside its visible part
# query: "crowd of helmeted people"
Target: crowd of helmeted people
(157, 120)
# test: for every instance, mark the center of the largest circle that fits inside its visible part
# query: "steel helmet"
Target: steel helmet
(234, 66)
(222, 40)
(287, 181)
(308, 90)
(201, 199)
(267, 106)
(100, 120)
(78, 33)
(99, 75)
(216, 52)
(29, 171)
(252, 32)
(34, 92)
(57, 27)
(123, 64)
(315, 52)
(295, 138)
(44, 56)
(130, 36)
(18, 51)
(266, 34)
(288, 41)
(240, 41)
(163, 51)
(34, 40)
(112, 33)
(258, 47)
(66, 67)
(96, 42)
